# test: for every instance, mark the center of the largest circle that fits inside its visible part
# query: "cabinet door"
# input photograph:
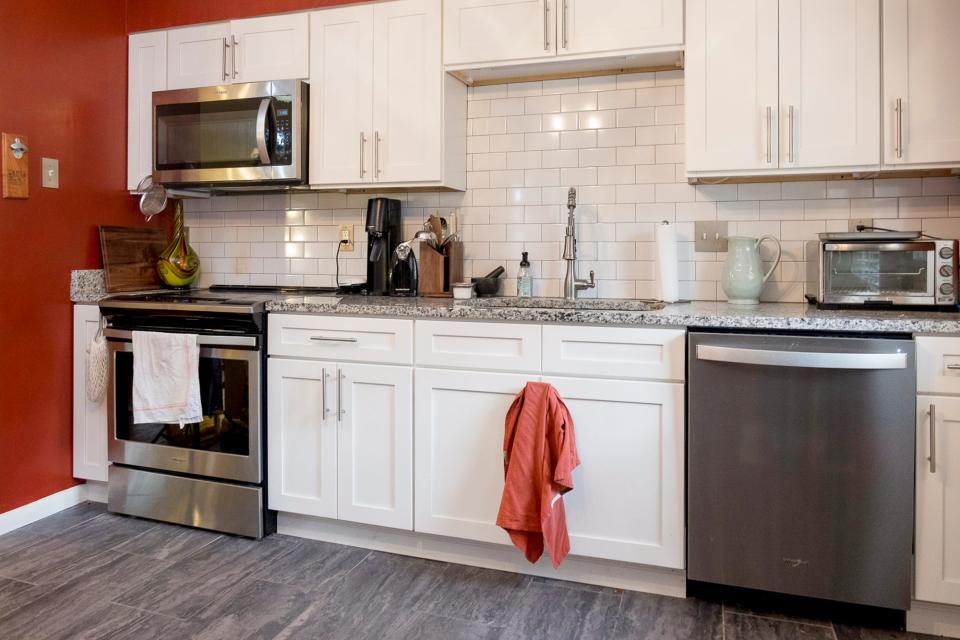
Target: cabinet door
(271, 48)
(89, 418)
(938, 500)
(375, 445)
(920, 53)
(628, 497)
(459, 420)
(829, 83)
(301, 437)
(198, 56)
(341, 95)
(731, 85)
(597, 26)
(498, 30)
(408, 91)
(147, 65)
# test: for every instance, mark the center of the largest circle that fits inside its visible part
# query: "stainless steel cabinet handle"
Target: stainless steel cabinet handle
(235, 45)
(340, 409)
(546, 15)
(791, 116)
(323, 393)
(376, 155)
(806, 360)
(563, 23)
(953, 367)
(898, 127)
(769, 135)
(326, 339)
(933, 438)
(363, 146)
(223, 62)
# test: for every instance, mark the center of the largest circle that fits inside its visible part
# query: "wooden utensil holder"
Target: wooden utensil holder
(439, 271)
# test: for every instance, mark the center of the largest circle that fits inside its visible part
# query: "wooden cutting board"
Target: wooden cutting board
(130, 257)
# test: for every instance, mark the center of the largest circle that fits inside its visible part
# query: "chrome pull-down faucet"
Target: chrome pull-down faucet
(570, 283)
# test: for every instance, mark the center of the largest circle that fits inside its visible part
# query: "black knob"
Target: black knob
(946, 271)
(946, 253)
(946, 289)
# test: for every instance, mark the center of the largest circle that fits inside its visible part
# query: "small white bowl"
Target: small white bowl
(462, 290)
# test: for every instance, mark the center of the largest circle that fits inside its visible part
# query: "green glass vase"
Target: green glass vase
(178, 265)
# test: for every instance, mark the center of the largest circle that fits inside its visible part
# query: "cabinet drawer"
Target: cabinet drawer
(478, 345)
(938, 365)
(614, 352)
(341, 338)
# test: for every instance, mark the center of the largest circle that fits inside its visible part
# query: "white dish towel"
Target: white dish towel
(166, 378)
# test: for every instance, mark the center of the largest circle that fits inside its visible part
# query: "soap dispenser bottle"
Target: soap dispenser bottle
(524, 279)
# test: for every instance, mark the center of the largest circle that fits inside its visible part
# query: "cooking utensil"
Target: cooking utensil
(153, 197)
(489, 285)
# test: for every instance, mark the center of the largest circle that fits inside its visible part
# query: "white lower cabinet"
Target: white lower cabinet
(89, 418)
(628, 497)
(459, 451)
(340, 441)
(938, 499)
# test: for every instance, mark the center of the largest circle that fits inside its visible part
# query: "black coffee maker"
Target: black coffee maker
(384, 233)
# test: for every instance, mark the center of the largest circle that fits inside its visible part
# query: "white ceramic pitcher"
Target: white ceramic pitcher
(743, 275)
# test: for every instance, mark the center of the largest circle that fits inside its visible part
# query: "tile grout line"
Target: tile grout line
(783, 619)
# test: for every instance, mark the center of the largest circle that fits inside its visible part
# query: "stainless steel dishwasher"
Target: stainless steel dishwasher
(800, 465)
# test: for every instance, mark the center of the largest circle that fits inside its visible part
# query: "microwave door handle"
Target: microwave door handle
(262, 114)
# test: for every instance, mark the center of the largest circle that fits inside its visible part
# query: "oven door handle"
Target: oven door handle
(879, 246)
(265, 105)
(202, 340)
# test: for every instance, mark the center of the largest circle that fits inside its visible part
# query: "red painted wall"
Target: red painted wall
(143, 15)
(63, 84)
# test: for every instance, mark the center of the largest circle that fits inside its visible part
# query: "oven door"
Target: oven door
(225, 445)
(229, 134)
(898, 273)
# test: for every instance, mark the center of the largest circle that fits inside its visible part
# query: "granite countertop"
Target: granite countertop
(768, 315)
(87, 286)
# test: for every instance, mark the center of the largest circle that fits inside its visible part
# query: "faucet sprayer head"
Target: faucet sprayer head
(572, 198)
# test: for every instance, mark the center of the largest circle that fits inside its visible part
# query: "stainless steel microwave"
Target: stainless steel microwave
(882, 269)
(231, 135)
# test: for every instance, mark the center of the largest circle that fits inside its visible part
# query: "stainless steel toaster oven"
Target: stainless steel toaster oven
(882, 269)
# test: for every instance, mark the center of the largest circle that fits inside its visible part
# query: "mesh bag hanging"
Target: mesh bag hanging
(98, 363)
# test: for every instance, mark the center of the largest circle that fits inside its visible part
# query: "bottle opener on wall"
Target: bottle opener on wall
(15, 173)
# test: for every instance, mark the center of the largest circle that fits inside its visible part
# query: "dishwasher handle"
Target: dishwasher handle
(802, 359)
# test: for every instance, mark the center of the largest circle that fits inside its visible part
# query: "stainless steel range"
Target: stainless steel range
(209, 474)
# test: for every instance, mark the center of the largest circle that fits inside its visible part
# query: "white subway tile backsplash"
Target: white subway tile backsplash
(619, 141)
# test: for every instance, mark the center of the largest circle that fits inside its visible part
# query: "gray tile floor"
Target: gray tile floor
(84, 573)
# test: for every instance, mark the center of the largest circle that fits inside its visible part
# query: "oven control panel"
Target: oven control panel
(946, 272)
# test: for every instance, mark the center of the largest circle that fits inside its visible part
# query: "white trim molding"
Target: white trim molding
(49, 505)
(934, 619)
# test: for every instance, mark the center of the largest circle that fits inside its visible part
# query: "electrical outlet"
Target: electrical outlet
(853, 223)
(346, 233)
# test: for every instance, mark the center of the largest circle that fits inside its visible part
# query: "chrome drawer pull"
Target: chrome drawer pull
(340, 409)
(933, 438)
(326, 339)
(323, 392)
(953, 367)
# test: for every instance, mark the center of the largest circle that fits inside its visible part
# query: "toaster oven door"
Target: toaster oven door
(901, 273)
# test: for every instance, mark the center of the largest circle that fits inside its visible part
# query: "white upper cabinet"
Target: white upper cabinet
(938, 499)
(505, 32)
(408, 91)
(477, 31)
(271, 48)
(829, 83)
(199, 56)
(252, 50)
(147, 65)
(598, 26)
(382, 110)
(341, 94)
(731, 91)
(921, 94)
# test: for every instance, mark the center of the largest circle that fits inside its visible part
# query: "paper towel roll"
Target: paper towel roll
(667, 265)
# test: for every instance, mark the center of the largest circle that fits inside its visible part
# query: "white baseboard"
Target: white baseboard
(934, 619)
(54, 503)
(606, 573)
(96, 491)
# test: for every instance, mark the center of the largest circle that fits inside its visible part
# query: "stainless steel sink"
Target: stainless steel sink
(593, 304)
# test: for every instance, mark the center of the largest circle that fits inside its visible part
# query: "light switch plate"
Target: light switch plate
(710, 236)
(50, 169)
